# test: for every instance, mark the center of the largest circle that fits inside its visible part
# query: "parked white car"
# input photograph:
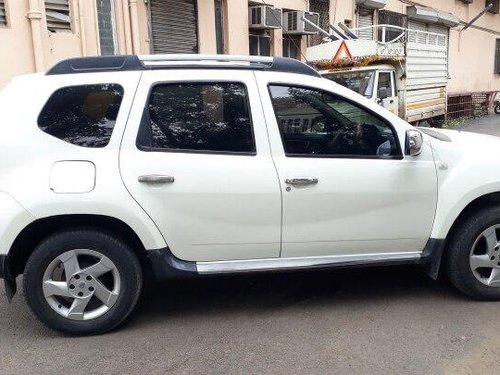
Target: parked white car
(114, 168)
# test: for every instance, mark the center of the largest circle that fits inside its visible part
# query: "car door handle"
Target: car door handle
(301, 181)
(156, 179)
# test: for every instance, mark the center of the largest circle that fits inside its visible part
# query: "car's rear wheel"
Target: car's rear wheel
(473, 255)
(82, 281)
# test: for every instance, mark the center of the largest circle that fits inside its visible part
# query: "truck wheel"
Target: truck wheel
(473, 255)
(82, 282)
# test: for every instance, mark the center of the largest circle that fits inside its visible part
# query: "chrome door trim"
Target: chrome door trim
(270, 264)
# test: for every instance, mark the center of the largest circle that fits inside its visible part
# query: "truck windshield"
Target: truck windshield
(360, 82)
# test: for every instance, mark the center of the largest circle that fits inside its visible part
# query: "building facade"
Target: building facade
(35, 34)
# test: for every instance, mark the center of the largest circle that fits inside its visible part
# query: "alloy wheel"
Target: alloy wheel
(485, 257)
(81, 284)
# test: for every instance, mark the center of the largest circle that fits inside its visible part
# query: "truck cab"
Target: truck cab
(407, 75)
(377, 83)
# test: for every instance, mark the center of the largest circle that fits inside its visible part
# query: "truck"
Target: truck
(403, 70)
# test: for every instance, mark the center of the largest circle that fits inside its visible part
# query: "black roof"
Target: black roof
(132, 62)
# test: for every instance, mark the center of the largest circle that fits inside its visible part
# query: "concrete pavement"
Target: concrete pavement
(486, 125)
(377, 321)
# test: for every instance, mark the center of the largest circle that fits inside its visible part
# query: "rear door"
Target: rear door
(196, 157)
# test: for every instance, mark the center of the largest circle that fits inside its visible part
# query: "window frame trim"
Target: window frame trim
(69, 86)
(188, 151)
(400, 155)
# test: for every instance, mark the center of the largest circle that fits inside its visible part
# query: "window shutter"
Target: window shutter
(3, 17)
(57, 13)
(365, 19)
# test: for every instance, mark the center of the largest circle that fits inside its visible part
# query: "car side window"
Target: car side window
(82, 115)
(198, 117)
(317, 123)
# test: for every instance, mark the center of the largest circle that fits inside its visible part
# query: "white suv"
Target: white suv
(116, 168)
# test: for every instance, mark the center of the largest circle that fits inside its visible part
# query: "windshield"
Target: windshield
(360, 82)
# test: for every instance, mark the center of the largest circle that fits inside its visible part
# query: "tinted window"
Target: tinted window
(313, 122)
(203, 117)
(82, 115)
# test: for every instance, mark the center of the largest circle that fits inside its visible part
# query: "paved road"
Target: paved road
(378, 321)
(486, 125)
(365, 321)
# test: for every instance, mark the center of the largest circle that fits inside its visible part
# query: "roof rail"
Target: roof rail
(192, 61)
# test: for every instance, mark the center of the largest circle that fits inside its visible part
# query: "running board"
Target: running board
(277, 264)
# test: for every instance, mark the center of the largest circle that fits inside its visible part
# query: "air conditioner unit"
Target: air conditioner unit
(496, 6)
(264, 17)
(294, 24)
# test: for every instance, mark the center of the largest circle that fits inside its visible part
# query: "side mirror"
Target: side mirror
(414, 142)
(383, 93)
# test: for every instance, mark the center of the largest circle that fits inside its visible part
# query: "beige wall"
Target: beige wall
(471, 56)
(341, 10)
(16, 52)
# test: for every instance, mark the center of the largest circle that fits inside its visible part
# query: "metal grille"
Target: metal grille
(291, 20)
(219, 26)
(105, 19)
(466, 105)
(391, 18)
(441, 40)
(57, 14)
(273, 17)
(365, 19)
(256, 15)
(3, 16)
(424, 38)
(174, 26)
(417, 37)
(323, 8)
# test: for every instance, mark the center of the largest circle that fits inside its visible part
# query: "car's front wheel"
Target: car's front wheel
(473, 255)
(82, 281)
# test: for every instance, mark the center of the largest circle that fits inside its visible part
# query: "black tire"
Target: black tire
(436, 122)
(458, 254)
(497, 109)
(118, 252)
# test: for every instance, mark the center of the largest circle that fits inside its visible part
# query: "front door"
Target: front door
(196, 157)
(386, 82)
(347, 188)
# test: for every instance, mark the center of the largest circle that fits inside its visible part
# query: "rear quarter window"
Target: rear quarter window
(82, 115)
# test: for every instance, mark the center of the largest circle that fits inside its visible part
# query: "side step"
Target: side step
(277, 264)
(165, 265)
